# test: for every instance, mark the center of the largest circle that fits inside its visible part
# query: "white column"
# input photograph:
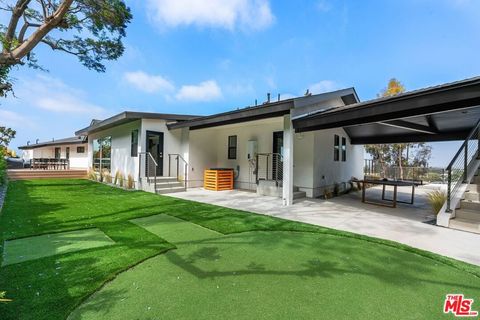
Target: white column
(288, 134)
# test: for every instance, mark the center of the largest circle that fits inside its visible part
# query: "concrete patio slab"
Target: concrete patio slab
(405, 224)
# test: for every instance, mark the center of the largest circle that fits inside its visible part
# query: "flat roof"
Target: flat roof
(439, 113)
(64, 141)
(268, 110)
(129, 116)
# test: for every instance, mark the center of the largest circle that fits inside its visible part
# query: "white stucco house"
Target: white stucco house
(258, 142)
(73, 149)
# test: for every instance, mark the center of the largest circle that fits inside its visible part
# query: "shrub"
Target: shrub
(436, 199)
(121, 179)
(91, 174)
(3, 166)
(107, 177)
(130, 182)
(117, 174)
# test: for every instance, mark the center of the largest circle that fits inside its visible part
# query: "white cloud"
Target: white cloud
(54, 95)
(148, 83)
(204, 91)
(324, 5)
(227, 14)
(323, 86)
(13, 119)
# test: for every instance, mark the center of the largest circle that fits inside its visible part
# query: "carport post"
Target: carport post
(288, 133)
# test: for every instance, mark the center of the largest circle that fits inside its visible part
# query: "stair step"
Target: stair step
(472, 196)
(470, 205)
(45, 174)
(299, 195)
(467, 214)
(168, 184)
(474, 187)
(169, 190)
(162, 179)
(465, 225)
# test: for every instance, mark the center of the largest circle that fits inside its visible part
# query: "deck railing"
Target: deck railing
(178, 167)
(462, 167)
(269, 167)
(150, 168)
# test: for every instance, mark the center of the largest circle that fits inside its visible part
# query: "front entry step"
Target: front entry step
(299, 195)
(464, 224)
(168, 190)
(470, 205)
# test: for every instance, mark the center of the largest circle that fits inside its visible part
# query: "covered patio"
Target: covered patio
(406, 224)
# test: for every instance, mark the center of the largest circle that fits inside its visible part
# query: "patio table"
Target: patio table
(384, 184)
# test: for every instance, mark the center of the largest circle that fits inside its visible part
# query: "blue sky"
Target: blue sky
(202, 57)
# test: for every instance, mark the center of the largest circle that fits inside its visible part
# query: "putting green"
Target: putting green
(280, 275)
(174, 230)
(31, 248)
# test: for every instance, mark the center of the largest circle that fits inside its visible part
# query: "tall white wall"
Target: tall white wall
(303, 161)
(121, 159)
(208, 148)
(202, 154)
(329, 172)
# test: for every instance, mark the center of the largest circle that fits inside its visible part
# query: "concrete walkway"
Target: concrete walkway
(404, 224)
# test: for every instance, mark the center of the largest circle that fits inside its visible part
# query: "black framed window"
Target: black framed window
(58, 153)
(67, 153)
(344, 149)
(232, 147)
(80, 149)
(336, 148)
(134, 143)
(102, 151)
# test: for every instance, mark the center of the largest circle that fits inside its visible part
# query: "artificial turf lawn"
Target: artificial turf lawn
(31, 248)
(280, 275)
(52, 287)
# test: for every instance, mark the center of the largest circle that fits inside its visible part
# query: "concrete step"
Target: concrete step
(168, 184)
(465, 225)
(169, 190)
(467, 214)
(474, 187)
(470, 205)
(299, 195)
(476, 180)
(162, 179)
(472, 196)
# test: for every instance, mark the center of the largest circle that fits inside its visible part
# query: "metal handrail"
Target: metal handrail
(149, 157)
(470, 136)
(277, 166)
(463, 150)
(185, 174)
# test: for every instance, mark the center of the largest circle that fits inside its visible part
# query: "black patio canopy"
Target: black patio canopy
(441, 113)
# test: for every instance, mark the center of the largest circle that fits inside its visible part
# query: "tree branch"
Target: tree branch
(17, 13)
(21, 51)
(25, 26)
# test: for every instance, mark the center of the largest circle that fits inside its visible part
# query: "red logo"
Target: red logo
(459, 306)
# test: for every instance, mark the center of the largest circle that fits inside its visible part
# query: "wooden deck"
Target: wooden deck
(27, 174)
